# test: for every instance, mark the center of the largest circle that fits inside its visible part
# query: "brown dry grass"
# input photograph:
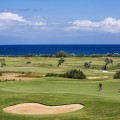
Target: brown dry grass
(15, 76)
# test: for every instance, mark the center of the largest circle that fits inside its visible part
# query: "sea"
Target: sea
(53, 49)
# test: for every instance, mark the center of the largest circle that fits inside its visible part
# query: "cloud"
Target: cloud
(8, 19)
(7, 16)
(15, 23)
(111, 25)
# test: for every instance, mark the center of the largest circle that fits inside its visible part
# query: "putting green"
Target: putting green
(74, 87)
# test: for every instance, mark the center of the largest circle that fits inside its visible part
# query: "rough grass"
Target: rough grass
(45, 65)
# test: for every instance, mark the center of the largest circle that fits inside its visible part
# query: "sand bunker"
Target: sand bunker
(107, 71)
(40, 109)
(102, 77)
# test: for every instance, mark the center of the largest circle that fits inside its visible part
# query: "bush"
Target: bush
(87, 64)
(28, 62)
(75, 74)
(117, 75)
(28, 73)
(0, 74)
(22, 72)
(3, 64)
(29, 55)
(61, 54)
(53, 75)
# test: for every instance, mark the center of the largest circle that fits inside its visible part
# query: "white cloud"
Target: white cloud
(8, 19)
(16, 23)
(107, 25)
(7, 16)
(39, 23)
(86, 23)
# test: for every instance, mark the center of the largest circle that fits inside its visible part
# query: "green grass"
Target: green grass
(99, 105)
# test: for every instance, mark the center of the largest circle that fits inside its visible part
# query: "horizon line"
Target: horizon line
(58, 44)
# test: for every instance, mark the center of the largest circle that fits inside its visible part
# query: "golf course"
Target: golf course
(23, 80)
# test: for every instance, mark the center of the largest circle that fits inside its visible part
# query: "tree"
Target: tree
(87, 64)
(61, 54)
(107, 61)
(61, 60)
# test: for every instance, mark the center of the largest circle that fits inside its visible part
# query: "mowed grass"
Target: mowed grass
(99, 105)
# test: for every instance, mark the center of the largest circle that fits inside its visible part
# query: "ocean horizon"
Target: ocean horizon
(54, 48)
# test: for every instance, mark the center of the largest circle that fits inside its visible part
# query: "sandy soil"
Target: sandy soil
(104, 77)
(9, 76)
(40, 109)
(107, 71)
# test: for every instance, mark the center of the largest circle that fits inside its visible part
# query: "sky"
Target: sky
(59, 22)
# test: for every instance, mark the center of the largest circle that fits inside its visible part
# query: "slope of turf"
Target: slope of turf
(99, 105)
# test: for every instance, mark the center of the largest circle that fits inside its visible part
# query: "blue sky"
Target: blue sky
(59, 22)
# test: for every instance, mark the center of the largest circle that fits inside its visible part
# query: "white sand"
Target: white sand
(40, 109)
(102, 77)
(105, 71)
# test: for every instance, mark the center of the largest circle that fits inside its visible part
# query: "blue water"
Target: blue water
(52, 49)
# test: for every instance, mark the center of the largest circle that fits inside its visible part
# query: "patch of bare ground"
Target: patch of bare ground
(18, 76)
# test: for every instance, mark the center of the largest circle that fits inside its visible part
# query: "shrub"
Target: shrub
(74, 73)
(87, 64)
(61, 54)
(53, 75)
(28, 62)
(23, 72)
(28, 73)
(117, 75)
(3, 64)
(29, 55)
(0, 74)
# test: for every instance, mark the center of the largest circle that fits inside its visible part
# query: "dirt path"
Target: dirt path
(40, 109)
